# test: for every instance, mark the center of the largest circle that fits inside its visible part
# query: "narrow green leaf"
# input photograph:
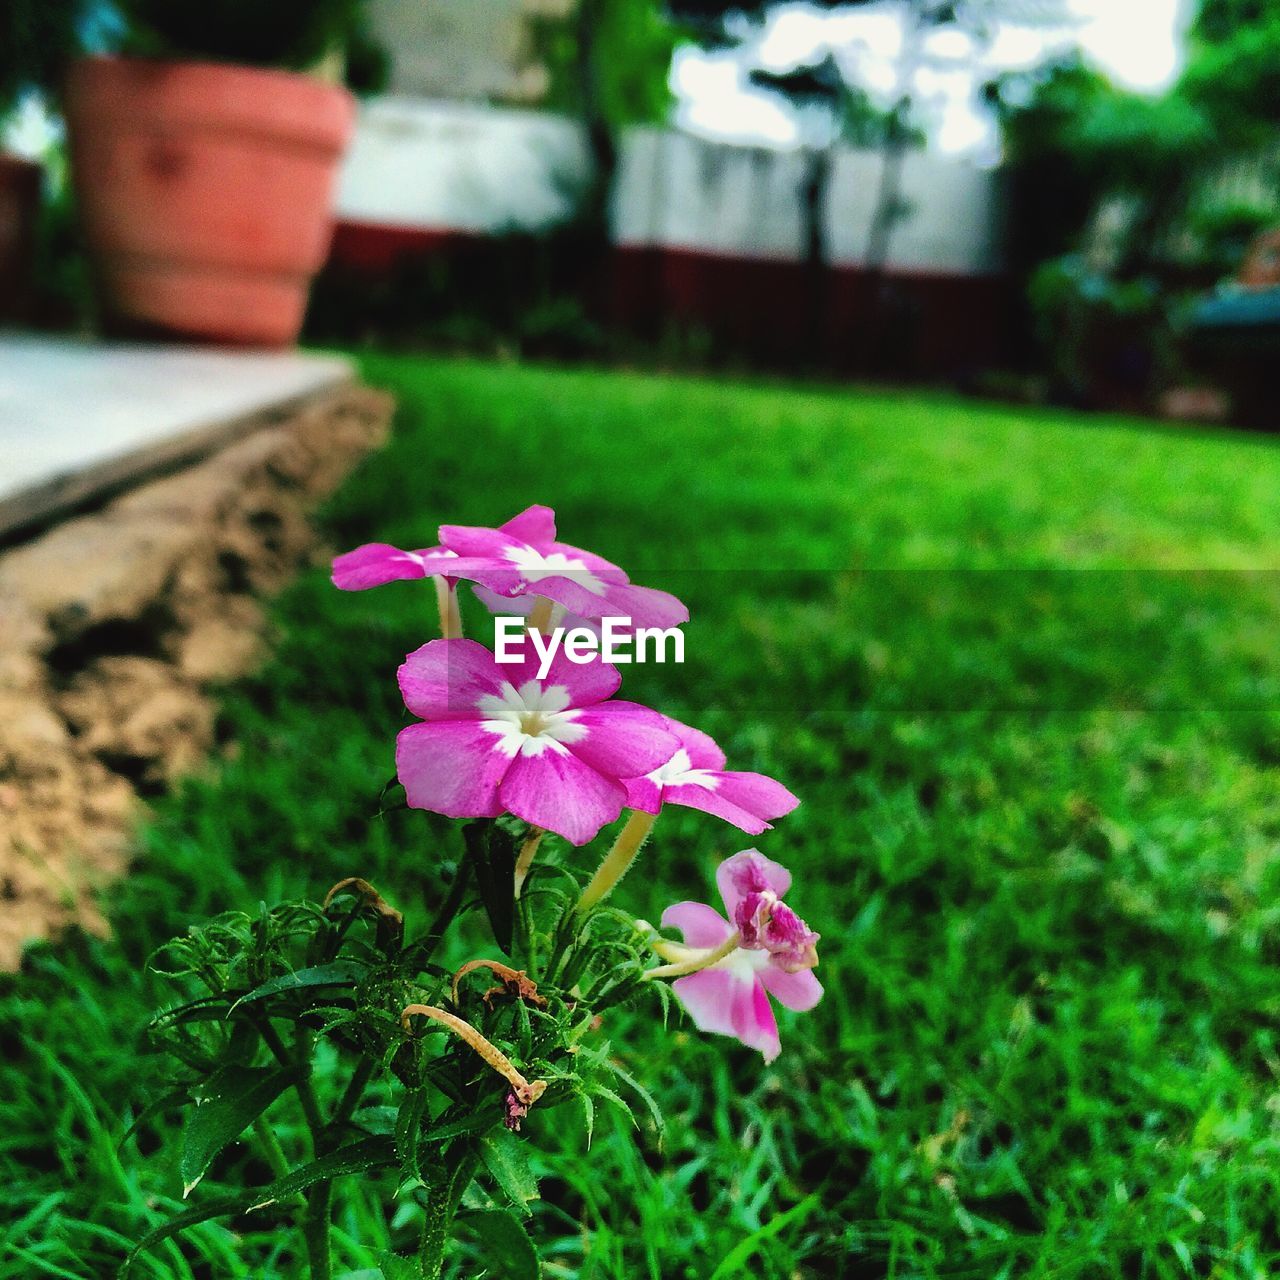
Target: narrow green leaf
(357, 1157)
(338, 973)
(736, 1259)
(505, 1157)
(600, 1091)
(506, 1243)
(659, 1120)
(492, 853)
(221, 1207)
(408, 1130)
(228, 1104)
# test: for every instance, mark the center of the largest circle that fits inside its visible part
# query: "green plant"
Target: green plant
(37, 39)
(296, 34)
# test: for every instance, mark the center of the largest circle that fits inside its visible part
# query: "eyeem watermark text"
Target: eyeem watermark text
(617, 641)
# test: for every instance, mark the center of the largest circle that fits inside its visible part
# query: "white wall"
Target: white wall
(459, 166)
(441, 165)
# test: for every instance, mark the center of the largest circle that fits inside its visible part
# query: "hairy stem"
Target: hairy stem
(354, 1092)
(447, 604)
(540, 618)
(528, 851)
(617, 862)
(703, 959)
(443, 1197)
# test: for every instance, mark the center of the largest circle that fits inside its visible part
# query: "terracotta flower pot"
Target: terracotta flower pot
(205, 191)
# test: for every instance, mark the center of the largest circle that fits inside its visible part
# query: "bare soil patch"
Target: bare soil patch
(113, 628)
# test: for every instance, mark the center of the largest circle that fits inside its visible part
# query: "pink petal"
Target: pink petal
(556, 790)
(701, 925)
(645, 606)
(451, 767)
(587, 683)
(643, 794)
(478, 540)
(700, 747)
(575, 597)
(535, 525)
(598, 565)
(521, 606)
(719, 1001)
(735, 874)
(709, 996)
(377, 563)
(623, 739)
(754, 1022)
(504, 606)
(445, 679)
(799, 991)
(748, 800)
(692, 796)
(757, 793)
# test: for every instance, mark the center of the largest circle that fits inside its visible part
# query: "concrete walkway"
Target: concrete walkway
(79, 421)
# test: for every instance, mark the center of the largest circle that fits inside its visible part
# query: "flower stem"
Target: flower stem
(447, 604)
(315, 1227)
(274, 1153)
(444, 1194)
(528, 851)
(540, 618)
(704, 958)
(617, 862)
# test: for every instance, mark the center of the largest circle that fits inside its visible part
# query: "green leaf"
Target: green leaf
(223, 1206)
(394, 1267)
(359, 1157)
(408, 1130)
(492, 853)
(505, 1157)
(229, 1103)
(736, 1259)
(338, 973)
(505, 1243)
(470, 1121)
(659, 1120)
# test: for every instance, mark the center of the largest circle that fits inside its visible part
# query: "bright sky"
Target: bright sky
(1138, 43)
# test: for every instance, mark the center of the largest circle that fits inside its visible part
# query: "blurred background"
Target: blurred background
(1058, 201)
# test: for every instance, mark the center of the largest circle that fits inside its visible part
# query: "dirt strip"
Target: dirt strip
(114, 626)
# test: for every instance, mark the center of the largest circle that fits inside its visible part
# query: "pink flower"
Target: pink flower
(377, 563)
(522, 557)
(695, 776)
(495, 739)
(775, 954)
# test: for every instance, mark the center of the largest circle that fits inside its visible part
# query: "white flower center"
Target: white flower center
(744, 964)
(679, 772)
(535, 566)
(531, 719)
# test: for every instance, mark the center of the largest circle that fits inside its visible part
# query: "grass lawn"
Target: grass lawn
(1013, 665)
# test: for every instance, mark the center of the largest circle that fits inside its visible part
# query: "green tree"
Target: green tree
(608, 63)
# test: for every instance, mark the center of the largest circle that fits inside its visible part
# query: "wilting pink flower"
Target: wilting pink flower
(775, 955)
(522, 557)
(496, 739)
(695, 776)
